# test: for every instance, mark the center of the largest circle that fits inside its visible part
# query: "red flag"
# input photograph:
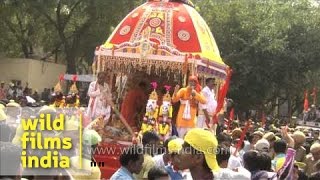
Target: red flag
(244, 132)
(221, 95)
(263, 120)
(306, 101)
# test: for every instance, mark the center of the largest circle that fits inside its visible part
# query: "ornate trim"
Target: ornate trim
(184, 35)
(125, 30)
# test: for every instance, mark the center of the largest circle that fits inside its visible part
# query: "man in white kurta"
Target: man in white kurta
(206, 110)
(100, 96)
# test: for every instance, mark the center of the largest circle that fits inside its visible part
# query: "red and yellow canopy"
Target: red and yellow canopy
(169, 35)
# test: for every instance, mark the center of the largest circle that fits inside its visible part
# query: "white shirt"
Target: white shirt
(98, 100)
(234, 161)
(225, 173)
(19, 92)
(211, 104)
(158, 159)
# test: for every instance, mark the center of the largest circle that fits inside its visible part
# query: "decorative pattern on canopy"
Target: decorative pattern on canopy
(162, 35)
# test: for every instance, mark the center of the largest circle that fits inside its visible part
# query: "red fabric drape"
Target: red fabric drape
(221, 95)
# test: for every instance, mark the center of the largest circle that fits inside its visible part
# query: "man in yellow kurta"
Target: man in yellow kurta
(189, 98)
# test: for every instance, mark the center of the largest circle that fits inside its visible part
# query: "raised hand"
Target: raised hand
(287, 137)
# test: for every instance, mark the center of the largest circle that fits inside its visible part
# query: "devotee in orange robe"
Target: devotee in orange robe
(133, 103)
(189, 98)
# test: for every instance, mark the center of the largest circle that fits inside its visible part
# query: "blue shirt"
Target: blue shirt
(174, 175)
(123, 174)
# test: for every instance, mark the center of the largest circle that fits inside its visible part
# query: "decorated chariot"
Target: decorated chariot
(160, 43)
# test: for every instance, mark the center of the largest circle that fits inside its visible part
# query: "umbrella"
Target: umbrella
(169, 36)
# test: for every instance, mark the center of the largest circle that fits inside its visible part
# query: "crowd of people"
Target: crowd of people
(312, 114)
(18, 93)
(263, 154)
(197, 150)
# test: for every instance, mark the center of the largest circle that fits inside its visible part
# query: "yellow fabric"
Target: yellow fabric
(19, 132)
(175, 145)
(3, 115)
(57, 87)
(209, 48)
(2, 106)
(281, 161)
(148, 163)
(206, 142)
(73, 88)
(185, 94)
(87, 172)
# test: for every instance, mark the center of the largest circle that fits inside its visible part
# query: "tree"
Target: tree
(269, 44)
(18, 26)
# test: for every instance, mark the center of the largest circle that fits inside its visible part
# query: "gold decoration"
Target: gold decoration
(58, 88)
(153, 95)
(73, 88)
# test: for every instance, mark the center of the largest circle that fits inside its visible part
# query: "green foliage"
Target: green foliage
(271, 45)
(69, 29)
